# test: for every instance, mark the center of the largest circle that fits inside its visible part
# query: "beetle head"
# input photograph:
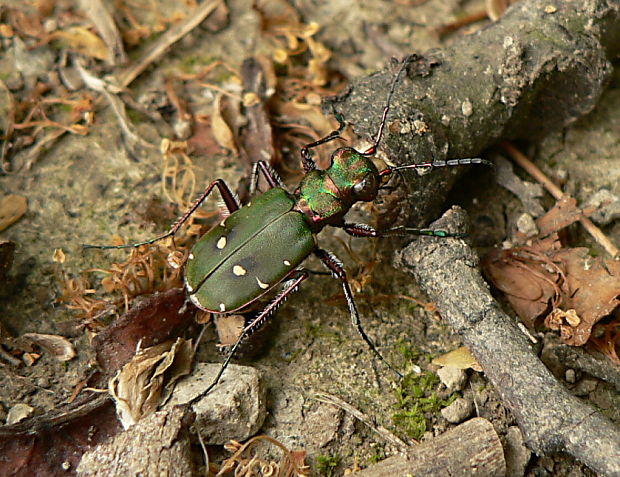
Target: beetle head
(356, 173)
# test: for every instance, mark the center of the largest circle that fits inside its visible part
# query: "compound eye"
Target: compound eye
(366, 189)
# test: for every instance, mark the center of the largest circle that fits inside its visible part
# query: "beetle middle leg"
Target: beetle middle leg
(271, 176)
(256, 323)
(229, 200)
(338, 271)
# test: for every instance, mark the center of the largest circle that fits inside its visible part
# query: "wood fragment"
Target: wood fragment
(551, 419)
(470, 449)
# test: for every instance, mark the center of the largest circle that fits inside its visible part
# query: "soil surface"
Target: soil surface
(86, 189)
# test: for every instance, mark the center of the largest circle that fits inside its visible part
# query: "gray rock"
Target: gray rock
(234, 409)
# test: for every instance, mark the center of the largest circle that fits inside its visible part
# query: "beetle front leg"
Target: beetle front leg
(364, 230)
(338, 271)
(306, 156)
(255, 324)
(229, 200)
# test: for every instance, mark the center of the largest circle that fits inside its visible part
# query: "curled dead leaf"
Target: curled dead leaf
(58, 256)
(60, 347)
(148, 379)
(6, 30)
(250, 99)
(83, 41)
(460, 358)
(221, 130)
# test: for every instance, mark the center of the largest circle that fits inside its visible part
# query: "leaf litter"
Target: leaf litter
(566, 288)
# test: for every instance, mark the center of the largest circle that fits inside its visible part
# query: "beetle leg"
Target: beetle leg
(271, 176)
(229, 200)
(306, 156)
(255, 324)
(337, 269)
(363, 230)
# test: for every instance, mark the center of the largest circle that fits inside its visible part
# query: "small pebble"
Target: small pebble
(453, 378)
(19, 412)
(516, 453)
(234, 409)
(458, 411)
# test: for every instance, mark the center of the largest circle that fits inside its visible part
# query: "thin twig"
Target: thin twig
(557, 193)
(382, 431)
(174, 34)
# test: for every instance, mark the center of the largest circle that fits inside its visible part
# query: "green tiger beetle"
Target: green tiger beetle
(262, 244)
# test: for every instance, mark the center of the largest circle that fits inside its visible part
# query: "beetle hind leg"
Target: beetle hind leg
(260, 319)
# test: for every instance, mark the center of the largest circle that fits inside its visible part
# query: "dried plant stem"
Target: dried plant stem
(557, 193)
(174, 34)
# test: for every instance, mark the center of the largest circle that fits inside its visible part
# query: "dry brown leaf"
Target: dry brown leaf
(520, 276)
(12, 207)
(571, 289)
(221, 130)
(229, 328)
(141, 385)
(83, 41)
(592, 290)
(460, 358)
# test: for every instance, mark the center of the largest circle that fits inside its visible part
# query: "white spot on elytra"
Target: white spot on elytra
(239, 270)
(222, 307)
(264, 286)
(191, 256)
(287, 263)
(196, 302)
(189, 287)
(249, 204)
(221, 243)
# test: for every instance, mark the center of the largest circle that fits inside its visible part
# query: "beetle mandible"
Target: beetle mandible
(263, 244)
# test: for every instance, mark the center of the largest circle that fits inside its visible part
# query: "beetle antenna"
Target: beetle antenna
(438, 163)
(403, 65)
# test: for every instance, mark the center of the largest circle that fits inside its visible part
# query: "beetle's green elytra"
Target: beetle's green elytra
(235, 263)
(262, 246)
